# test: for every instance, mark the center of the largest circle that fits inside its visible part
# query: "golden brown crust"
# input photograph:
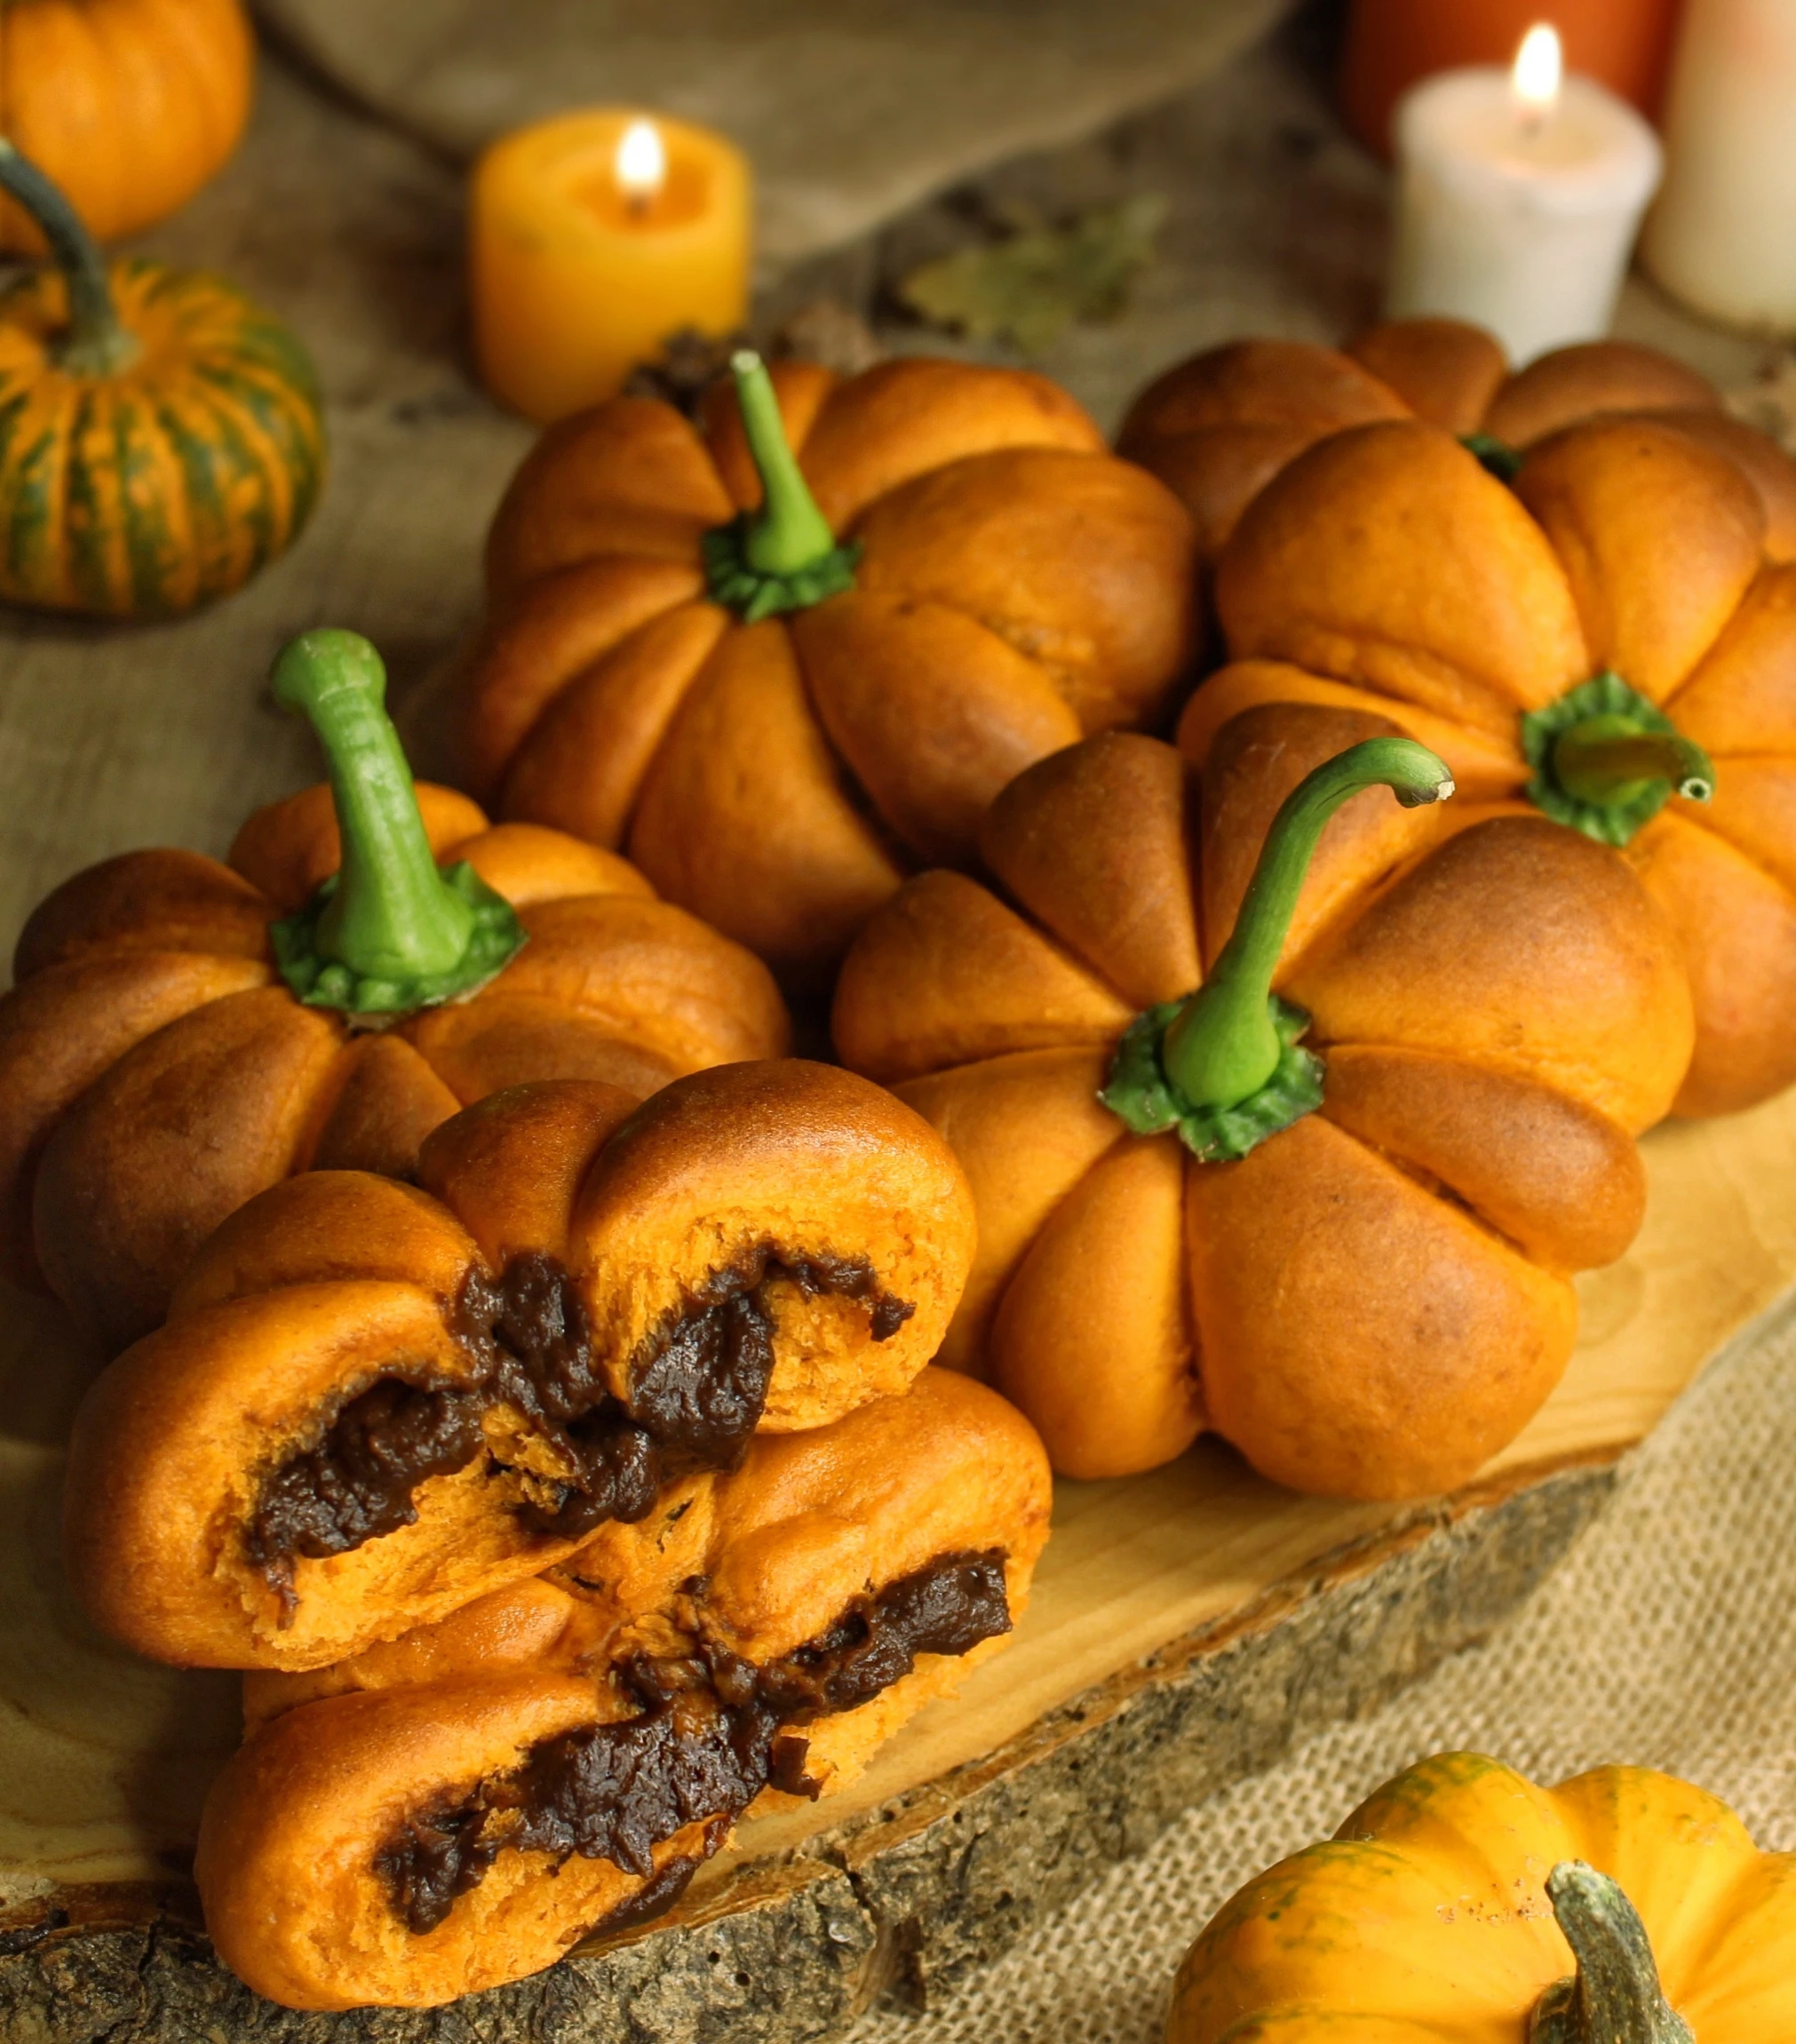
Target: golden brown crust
(155, 901)
(1094, 1336)
(1619, 500)
(785, 861)
(1092, 843)
(1759, 459)
(296, 1906)
(1447, 372)
(934, 711)
(631, 477)
(510, 1168)
(1216, 429)
(289, 849)
(45, 1065)
(1024, 1127)
(1016, 587)
(1387, 557)
(1441, 1340)
(977, 981)
(1525, 947)
(178, 1134)
(1498, 1001)
(153, 1077)
(803, 1160)
(1559, 1179)
(1257, 761)
(1588, 379)
(1737, 929)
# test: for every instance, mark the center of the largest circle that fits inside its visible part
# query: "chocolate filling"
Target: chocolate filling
(699, 1383)
(357, 1482)
(713, 1735)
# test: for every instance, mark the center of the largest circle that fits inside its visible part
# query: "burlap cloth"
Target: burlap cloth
(850, 110)
(1667, 1640)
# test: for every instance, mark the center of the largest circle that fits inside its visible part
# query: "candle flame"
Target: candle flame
(1539, 65)
(641, 161)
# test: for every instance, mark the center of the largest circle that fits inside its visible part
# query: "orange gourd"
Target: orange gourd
(129, 105)
(1462, 1904)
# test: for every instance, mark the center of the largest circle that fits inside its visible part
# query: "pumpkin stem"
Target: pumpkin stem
(1494, 455)
(1613, 1997)
(98, 344)
(1224, 1065)
(388, 932)
(1610, 759)
(783, 556)
(1606, 760)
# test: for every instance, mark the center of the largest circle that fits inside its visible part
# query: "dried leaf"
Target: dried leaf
(1031, 286)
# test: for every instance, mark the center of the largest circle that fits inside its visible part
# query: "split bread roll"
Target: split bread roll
(374, 1402)
(455, 1809)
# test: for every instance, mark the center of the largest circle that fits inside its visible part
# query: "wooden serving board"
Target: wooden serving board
(1186, 1626)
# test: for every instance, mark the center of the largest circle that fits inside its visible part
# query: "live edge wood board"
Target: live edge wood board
(1186, 1627)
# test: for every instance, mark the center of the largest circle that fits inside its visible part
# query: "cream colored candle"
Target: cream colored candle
(1723, 235)
(1518, 200)
(593, 238)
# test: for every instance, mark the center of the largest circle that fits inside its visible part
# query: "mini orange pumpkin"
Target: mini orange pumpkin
(1600, 636)
(780, 711)
(129, 105)
(1461, 1904)
(185, 1033)
(1217, 428)
(1370, 1300)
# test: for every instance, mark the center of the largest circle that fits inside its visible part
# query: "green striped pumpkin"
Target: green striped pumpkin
(160, 434)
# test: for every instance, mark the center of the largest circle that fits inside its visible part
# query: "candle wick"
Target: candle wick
(636, 205)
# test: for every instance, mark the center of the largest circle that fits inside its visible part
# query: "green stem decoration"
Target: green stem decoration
(389, 933)
(1494, 455)
(1606, 760)
(1613, 1997)
(1224, 1066)
(782, 557)
(98, 344)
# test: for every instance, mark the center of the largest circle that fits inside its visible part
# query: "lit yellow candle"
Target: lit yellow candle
(593, 238)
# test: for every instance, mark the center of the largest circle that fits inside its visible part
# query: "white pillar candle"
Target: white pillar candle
(1519, 196)
(1723, 235)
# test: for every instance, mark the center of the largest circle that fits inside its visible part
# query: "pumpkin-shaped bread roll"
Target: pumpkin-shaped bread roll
(1218, 427)
(786, 654)
(1336, 1227)
(374, 1402)
(1603, 635)
(184, 1034)
(455, 1809)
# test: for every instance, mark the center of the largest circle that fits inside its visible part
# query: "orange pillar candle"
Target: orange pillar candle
(1625, 44)
(595, 237)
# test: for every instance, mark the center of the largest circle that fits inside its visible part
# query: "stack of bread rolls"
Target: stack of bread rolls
(563, 1506)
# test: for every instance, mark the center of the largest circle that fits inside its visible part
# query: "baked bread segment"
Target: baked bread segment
(477, 1795)
(156, 1073)
(373, 1405)
(786, 1192)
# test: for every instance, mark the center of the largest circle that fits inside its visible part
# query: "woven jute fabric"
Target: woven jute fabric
(1667, 1640)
